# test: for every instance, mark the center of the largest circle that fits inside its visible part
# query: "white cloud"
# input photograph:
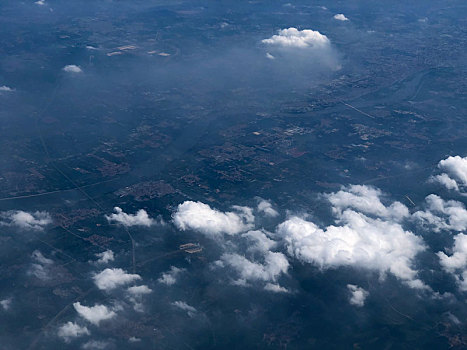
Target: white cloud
(455, 173)
(301, 51)
(340, 17)
(136, 296)
(200, 217)
(274, 265)
(134, 340)
(112, 278)
(141, 218)
(358, 241)
(94, 314)
(266, 207)
(105, 257)
(443, 215)
(261, 242)
(5, 304)
(455, 166)
(139, 290)
(170, 277)
(458, 259)
(72, 330)
(5, 88)
(272, 287)
(358, 295)
(261, 266)
(71, 68)
(294, 38)
(245, 212)
(40, 2)
(25, 220)
(191, 311)
(456, 263)
(366, 199)
(446, 181)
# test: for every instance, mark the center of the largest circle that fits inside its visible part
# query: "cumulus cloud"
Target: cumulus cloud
(357, 295)
(105, 257)
(170, 277)
(136, 295)
(340, 17)
(273, 266)
(72, 330)
(259, 241)
(458, 259)
(456, 263)
(358, 241)
(191, 311)
(455, 173)
(275, 288)
(25, 220)
(366, 199)
(456, 166)
(94, 314)
(367, 234)
(294, 38)
(71, 68)
(201, 217)
(443, 215)
(261, 266)
(139, 290)
(266, 208)
(40, 2)
(446, 181)
(306, 52)
(112, 278)
(141, 218)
